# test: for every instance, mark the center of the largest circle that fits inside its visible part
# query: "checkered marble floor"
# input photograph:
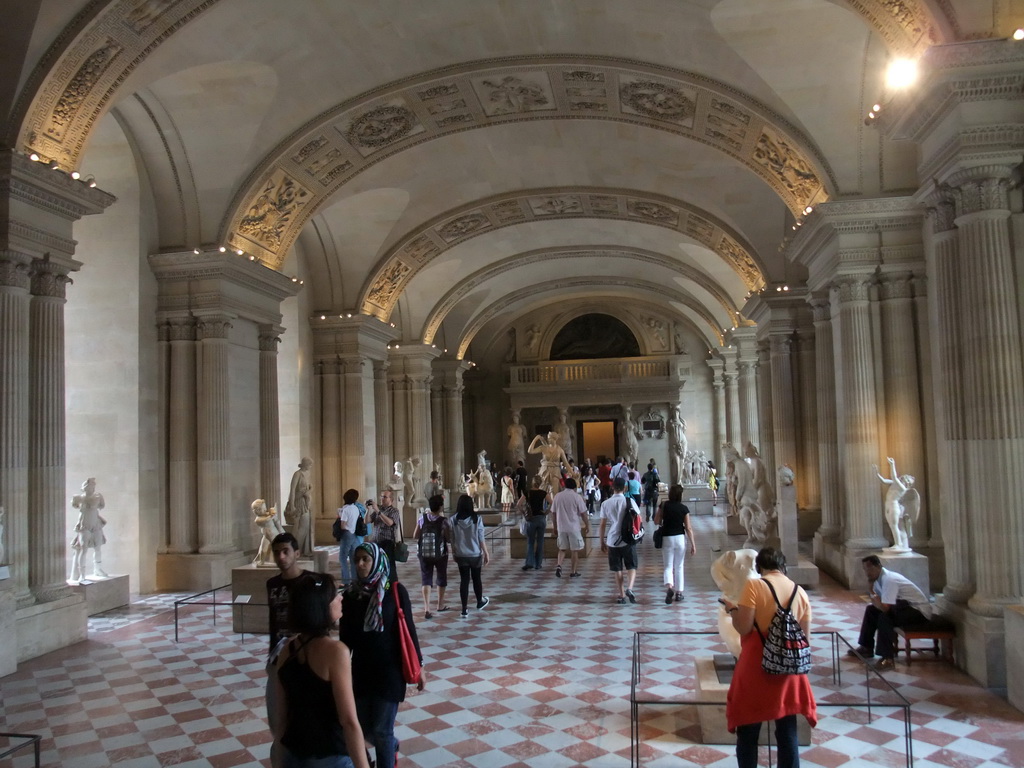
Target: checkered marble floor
(540, 678)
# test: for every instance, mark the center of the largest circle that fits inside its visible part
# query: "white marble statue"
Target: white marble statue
(481, 459)
(413, 487)
(785, 475)
(516, 440)
(677, 445)
(756, 519)
(298, 513)
(765, 491)
(269, 527)
(483, 496)
(902, 506)
(88, 531)
(731, 572)
(3, 525)
(630, 446)
(551, 461)
(730, 485)
(564, 431)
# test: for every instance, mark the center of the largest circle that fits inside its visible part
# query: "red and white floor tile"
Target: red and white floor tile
(541, 677)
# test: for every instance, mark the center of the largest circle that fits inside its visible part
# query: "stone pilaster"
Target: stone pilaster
(438, 423)
(765, 408)
(15, 281)
(359, 449)
(270, 425)
(382, 415)
(863, 503)
(827, 440)
(720, 385)
(453, 459)
(783, 413)
(182, 493)
(730, 381)
(808, 487)
(990, 354)
(399, 390)
(330, 436)
(213, 454)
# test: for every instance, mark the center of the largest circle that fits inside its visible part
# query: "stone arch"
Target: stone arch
(458, 291)
(425, 243)
(561, 326)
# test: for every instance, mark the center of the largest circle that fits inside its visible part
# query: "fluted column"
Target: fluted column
(904, 432)
(827, 440)
(359, 449)
(766, 419)
(400, 415)
(720, 384)
(930, 515)
(420, 438)
(14, 413)
(330, 436)
(216, 513)
(783, 413)
(456, 448)
(808, 487)
(863, 506)
(990, 354)
(382, 417)
(749, 428)
(438, 424)
(270, 426)
(182, 499)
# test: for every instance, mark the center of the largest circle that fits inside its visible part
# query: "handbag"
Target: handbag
(401, 552)
(659, 537)
(522, 526)
(336, 529)
(411, 667)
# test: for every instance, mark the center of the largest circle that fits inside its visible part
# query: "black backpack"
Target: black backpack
(786, 649)
(360, 525)
(631, 529)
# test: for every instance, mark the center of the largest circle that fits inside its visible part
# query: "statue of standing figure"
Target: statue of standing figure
(413, 489)
(269, 527)
(516, 440)
(902, 506)
(677, 445)
(564, 431)
(756, 518)
(551, 461)
(88, 530)
(299, 511)
(765, 491)
(630, 446)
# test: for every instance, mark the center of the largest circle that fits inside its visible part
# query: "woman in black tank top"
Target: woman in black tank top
(315, 722)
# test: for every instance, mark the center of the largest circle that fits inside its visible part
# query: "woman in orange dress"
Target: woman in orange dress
(754, 695)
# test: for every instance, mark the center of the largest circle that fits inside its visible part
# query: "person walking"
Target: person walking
(433, 535)
(622, 560)
(387, 528)
(536, 525)
(674, 518)
(469, 547)
(349, 516)
(571, 522)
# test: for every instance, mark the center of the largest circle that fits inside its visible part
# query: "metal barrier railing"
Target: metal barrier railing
(194, 600)
(30, 739)
(835, 646)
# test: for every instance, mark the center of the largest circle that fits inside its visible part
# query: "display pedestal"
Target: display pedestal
(517, 544)
(250, 615)
(8, 625)
(102, 594)
(909, 564)
(714, 673)
(195, 572)
(45, 627)
(700, 499)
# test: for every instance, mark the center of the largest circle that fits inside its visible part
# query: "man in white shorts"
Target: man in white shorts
(570, 512)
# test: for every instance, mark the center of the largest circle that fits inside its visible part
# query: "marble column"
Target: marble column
(359, 449)
(213, 443)
(182, 494)
(330, 436)
(270, 425)
(720, 384)
(827, 440)
(448, 375)
(904, 429)
(15, 281)
(808, 486)
(382, 417)
(930, 515)
(864, 519)
(420, 439)
(399, 387)
(783, 412)
(749, 428)
(46, 439)
(990, 355)
(766, 438)
(438, 422)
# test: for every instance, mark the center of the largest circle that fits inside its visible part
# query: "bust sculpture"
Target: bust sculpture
(902, 506)
(551, 461)
(299, 510)
(269, 526)
(516, 440)
(88, 531)
(731, 572)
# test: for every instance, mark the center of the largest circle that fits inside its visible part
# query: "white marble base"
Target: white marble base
(252, 616)
(1013, 619)
(699, 499)
(102, 594)
(713, 676)
(8, 628)
(46, 627)
(194, 572)
(909, 564)
(804, 572)
(981, 642)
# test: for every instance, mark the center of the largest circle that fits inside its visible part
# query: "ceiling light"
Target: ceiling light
(53, 166)
(349, 314)
(222, 249)
(876, 108)
(1018, 34)
(195, 251)
(901, 73)
(34, 157)
(323, 317)
(76, 175)
(239, 252)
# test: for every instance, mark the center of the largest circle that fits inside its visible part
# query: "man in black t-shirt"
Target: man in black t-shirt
(521, 478)
(286, 556)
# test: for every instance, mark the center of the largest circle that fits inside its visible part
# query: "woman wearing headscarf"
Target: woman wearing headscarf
(470, 550)
(369, 626)
(315, 717)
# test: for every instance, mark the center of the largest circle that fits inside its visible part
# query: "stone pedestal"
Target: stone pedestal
(8, 624)
(714, 673)
(981, 643)
(803, 572)
(45, 627)
(102, 595)
(734, 527)
(909, 564)
(699, 499)
(250, 616)
(196, 573)
(1013, 619)
(517, 543)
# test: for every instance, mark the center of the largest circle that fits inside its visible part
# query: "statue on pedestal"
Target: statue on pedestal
(88, 530)
(516, 440)
(483, 482)
(677, 445)
(552, 459)
(765, 491)
(299, 511)
(630, 446)
(269, 527)
(754, 517)
(564, 431)
(731, 572)
(902, 506)
(413, 490)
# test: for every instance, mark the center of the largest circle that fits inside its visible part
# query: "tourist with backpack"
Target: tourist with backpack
(650, 481)
(621, 528)
(433, 535)
(773, 618)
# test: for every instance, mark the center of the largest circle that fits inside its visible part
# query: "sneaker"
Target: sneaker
(527, 568)
(884, 664)
(860, 653)
(558, 571)
(679, 597)
(483, 603)
(670, 595)
(575, 575)
(464, 614)
(620, 601)
(630, 595)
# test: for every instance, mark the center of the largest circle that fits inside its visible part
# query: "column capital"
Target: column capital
(981, 188)
(269, 337)
(50, 278)
(821, 307)
(179, 328)
(213, 326)
(780, 344)
(15, 270)
(851, 288)
(897, 285)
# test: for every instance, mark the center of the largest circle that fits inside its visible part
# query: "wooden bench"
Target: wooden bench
(939, 631)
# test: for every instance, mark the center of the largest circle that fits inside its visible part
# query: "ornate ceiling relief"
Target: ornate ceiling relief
(267, 218)
(427, 243)
(905, 25)
(348, 139)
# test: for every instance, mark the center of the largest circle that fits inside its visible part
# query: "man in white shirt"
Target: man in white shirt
(570, 515)
(895, 602)
(621, 556)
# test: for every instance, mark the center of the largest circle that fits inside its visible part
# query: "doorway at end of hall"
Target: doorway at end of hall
(596, 440)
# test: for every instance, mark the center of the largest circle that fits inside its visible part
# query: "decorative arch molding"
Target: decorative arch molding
(417, 249)
(303, 173)
(92, 57)
(461, 289)
(635, 288)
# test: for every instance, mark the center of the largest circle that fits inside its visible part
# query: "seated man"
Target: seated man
(895, 602)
